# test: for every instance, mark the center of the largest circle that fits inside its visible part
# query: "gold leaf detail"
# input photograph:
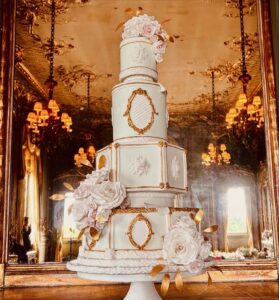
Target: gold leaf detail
(211, 229)
(139, 91)
(156, 270)
(119, 25)
(209, 282)
(129, 11)
(57, 197)
(139, 10)
(81, 233)
(94, 233)
(165, 284)
(165, 21)
(178, 281)
(92, 244)
(171, 39)
(199, 216)
(68, 186)
(102, 162)
(217, 268)
(139, 218)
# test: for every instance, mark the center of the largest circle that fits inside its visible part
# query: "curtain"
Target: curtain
(222, 215)
(249, 217)
(32, 180)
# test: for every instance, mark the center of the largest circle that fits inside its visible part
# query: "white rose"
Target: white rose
(185, 221)
(86, 187)
(147, 29)
(205, 250)
(179, 246)
(83, 191)
(97, 176)
(79, 210)
(196, 266)
(130, 32)
(109, 195)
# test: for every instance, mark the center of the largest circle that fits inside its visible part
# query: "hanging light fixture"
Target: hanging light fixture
(87, 158)
(246, 112)
(43, 119)
(216, 155)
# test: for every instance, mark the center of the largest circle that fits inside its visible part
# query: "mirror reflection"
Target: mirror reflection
(66, 62)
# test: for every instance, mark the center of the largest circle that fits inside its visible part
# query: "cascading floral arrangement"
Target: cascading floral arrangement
(146, 26)
(94, 200)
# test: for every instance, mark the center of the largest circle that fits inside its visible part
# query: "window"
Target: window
(237, 211)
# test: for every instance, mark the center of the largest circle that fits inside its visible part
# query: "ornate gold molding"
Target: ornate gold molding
(141, 210)
(142, 92)
(139, 218)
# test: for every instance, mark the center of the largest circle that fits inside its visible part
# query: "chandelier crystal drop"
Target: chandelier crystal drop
(43, 119)
(246, 112)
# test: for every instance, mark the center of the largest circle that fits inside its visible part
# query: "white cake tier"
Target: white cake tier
(151, 165)
(137, 59)
(139, 109)
(133, 233)
(132, 243)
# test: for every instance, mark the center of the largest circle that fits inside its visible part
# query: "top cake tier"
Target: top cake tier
(137, 60)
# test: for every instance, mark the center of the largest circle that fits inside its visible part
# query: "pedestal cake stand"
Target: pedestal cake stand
(141, 285)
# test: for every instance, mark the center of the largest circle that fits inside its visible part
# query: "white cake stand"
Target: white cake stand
(141, 287)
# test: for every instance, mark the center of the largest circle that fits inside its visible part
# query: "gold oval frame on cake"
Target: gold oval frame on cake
(144, 93)
(139, 218)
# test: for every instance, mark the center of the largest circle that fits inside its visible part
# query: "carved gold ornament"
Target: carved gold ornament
(132, 120)
(102, 162)
(140, 218)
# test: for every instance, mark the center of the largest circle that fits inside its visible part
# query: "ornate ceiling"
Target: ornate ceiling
(206, 34)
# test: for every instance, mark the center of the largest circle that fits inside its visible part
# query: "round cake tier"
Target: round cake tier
(139, 109)
(137, 59)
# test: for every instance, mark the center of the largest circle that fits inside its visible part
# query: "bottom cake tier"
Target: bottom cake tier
(132, 243)
(136, 229)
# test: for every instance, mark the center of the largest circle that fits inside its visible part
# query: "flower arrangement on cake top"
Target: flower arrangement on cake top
(146, 26)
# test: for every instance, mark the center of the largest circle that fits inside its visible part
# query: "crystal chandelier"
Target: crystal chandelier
(87, 158)
(216, 155)
(44, 119)
(246, 112)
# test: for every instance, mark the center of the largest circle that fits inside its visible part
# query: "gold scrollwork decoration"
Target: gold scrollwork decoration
(139, 218)
(127, 113)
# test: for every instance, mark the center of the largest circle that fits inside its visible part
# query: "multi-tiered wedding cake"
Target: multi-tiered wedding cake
(128, 211)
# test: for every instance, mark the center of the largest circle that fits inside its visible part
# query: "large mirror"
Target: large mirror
(224, 136)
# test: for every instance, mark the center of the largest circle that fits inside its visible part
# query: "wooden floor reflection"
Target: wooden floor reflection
(236, 291)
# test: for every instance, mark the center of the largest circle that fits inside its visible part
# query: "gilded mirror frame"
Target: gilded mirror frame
(56, 273)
